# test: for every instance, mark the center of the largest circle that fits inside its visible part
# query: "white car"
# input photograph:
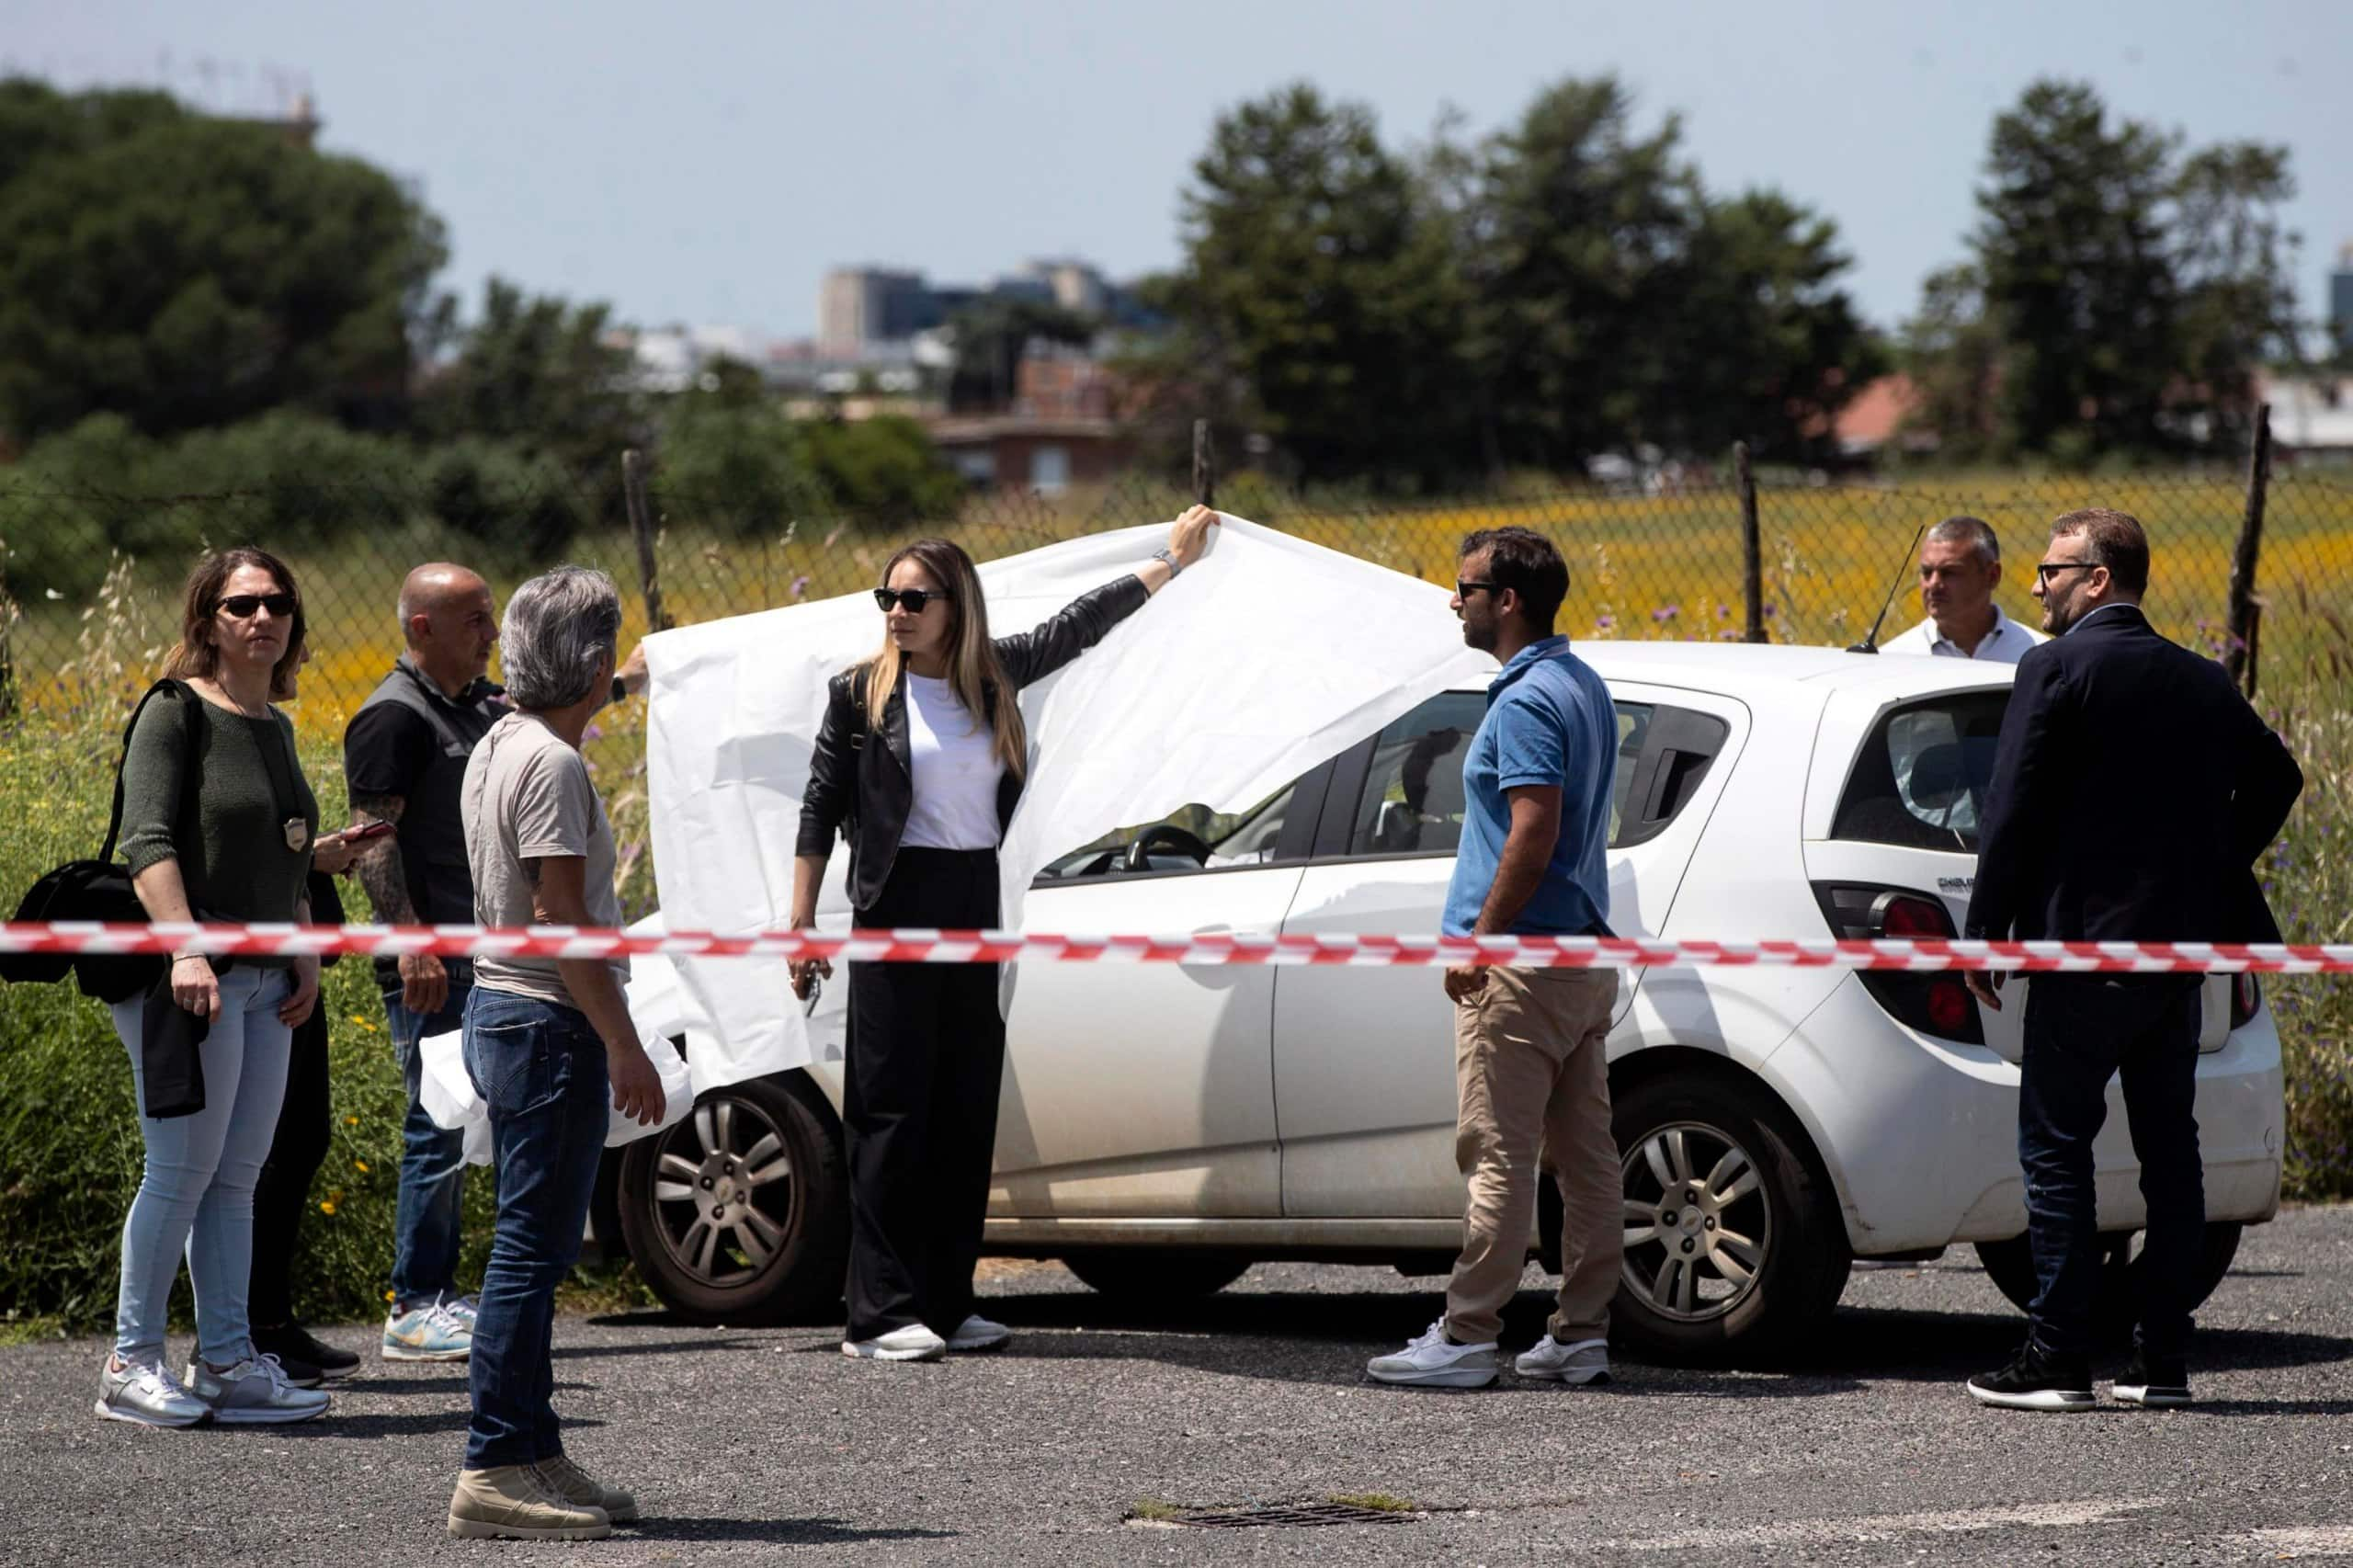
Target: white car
(1163, 1126)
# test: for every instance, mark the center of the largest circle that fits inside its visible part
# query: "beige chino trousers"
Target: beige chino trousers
(1532, 1095)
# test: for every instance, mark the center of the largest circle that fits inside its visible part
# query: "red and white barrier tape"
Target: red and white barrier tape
(1203, 947)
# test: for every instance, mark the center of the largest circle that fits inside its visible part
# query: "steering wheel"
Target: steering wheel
(1165, 835)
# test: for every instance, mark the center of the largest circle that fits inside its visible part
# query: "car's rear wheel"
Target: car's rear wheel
(2122, 1276)
(739, 1213)
(1156, 1273)
(1732, 1240)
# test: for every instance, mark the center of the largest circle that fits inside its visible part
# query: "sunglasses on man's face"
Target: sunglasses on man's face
(914, 600)
(242, 607)
(1465, 590)
(2045, 570)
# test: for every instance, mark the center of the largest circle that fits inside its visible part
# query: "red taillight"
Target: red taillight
(1950, 1008)
(2246, 998)
(1909, 914)
(1935, 1004)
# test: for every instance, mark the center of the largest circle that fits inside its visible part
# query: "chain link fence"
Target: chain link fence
(89, 583)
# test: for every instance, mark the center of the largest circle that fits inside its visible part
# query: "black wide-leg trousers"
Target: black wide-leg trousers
(925, 1061)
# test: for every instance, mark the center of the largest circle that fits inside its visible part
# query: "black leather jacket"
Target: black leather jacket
(870, 788)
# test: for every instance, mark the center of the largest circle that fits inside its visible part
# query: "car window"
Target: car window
(1920, 780)
(1179, 842)
(1411, 800)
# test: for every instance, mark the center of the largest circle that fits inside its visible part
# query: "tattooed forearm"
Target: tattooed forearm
(378, 867)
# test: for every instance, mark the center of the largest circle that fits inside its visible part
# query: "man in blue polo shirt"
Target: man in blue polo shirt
(1531, 1072)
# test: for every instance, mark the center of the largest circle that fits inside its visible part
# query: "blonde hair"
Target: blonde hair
(974, 673)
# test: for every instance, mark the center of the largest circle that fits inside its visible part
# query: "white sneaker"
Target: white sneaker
(253, 1393)
(912, 1343)
(1432, 1362)
(149, 1395)
(977, 1332)
(1577, 1363)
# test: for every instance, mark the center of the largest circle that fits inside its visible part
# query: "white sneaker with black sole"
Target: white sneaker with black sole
(254, 1393)
(148, 1395)
(1579, 1363)
(1433, 1361)
(912, 1343)
(977, 1332)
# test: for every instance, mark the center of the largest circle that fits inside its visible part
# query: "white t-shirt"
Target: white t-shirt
(2006, 644)
(956, 771)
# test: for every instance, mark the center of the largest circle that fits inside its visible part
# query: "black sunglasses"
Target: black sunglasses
(2043, 569)
(915, 599)
(1465, 590)
(241, 607)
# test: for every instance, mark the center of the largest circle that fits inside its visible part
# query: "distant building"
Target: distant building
(857, 306)
(861, 307)
(2310, 415)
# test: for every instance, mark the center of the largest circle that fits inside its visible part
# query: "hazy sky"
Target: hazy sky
(705, 161)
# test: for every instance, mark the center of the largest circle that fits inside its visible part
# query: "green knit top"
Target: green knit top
(229, 833)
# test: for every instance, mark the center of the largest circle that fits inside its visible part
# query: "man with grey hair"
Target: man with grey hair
(1960, 566)
(549, 1043)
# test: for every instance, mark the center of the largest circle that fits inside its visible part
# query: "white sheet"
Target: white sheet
(1266, 657)
(447, 1091)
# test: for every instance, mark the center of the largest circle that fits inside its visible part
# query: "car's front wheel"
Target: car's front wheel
(739, 1213)
(1732, 1240)
(2122, 1274)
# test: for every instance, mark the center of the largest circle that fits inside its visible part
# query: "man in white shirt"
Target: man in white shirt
(1960, 566)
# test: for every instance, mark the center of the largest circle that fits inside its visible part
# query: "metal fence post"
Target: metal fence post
(641, 526)
(1752, 545)
(1204, 465)
(2239, 657)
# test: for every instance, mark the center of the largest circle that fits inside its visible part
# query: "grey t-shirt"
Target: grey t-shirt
(528, 797)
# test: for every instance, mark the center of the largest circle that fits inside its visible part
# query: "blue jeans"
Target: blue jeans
(540, 1070)
(197, 1192)
(2081, 1030)
(427, 1216)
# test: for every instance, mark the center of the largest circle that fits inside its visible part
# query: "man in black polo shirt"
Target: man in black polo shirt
(404, 759)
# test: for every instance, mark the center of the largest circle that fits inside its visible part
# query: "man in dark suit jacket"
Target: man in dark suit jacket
(2133, 789)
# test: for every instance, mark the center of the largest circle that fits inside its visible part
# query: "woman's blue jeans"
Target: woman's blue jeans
(196, 1192)
(540, 1068)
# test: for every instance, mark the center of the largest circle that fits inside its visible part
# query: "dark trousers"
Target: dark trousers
(426, 1217)
(296, 1151)
(540, 1070)
(2081, 1030)
(925, 1061)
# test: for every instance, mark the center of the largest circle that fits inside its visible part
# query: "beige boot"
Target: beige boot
(567, 1479)
(513, 1502)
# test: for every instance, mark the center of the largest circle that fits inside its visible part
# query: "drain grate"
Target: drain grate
(1290, 1515)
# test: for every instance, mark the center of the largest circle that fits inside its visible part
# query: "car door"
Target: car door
(1364, 1057)
(1145, 1090)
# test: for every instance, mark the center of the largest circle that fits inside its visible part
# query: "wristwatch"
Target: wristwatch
(1166, 555)
(621, 689)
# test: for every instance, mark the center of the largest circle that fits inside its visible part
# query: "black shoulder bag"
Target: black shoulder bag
(97, 889)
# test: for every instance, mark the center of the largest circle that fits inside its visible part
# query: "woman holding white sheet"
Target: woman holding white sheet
(924, 810)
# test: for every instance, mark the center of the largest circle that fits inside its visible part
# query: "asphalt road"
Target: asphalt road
(765, 1446)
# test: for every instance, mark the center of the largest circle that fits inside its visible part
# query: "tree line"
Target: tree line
(189, 304)
(1569, 285)
(197, 305)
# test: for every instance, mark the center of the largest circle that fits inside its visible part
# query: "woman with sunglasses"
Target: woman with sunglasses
(216, 818)
(922, 754)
